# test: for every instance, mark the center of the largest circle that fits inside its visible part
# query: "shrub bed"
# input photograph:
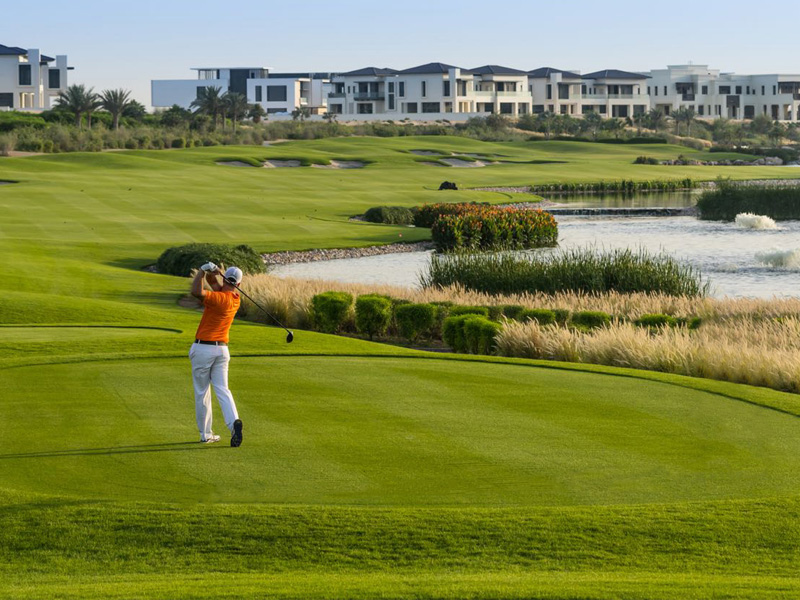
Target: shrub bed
(578, 270)
(427, 214)
(623, 186)
(487, 228)
(729, 199)
(181, 260)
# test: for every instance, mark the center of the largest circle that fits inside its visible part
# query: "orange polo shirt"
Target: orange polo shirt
(220, 308)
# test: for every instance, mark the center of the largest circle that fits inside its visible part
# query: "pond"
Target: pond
(739, 261)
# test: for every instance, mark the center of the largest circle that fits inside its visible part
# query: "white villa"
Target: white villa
(29, 80)
(277, 93)
(713, 94)
(438, 91)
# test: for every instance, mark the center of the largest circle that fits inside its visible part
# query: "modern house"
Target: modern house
(429, 92)
(555, 91)
(277, 93)
(30, 80)
(614, 93)
(713, 94)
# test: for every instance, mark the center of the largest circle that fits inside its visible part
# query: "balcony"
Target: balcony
(641, 97)
(687, 97)
(360, 96)
(337, 95)
(493, 94)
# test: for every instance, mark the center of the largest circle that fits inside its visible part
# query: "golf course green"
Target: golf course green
(367, 470)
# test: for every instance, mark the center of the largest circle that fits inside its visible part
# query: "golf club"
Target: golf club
(289, 334)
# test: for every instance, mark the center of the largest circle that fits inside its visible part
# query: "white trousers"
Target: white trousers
(210, 368)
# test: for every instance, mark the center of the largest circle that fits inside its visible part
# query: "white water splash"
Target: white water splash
(787, 259)
(752, 221)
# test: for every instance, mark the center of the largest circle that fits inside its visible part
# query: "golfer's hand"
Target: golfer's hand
(209, 267)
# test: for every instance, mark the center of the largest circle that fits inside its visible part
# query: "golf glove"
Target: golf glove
(209, 267)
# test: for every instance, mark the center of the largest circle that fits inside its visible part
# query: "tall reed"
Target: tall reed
(780, 202)
(579, 270)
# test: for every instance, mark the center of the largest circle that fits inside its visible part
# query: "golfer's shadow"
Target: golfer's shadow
(168, 447)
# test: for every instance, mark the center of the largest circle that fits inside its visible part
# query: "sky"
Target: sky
(113, 44)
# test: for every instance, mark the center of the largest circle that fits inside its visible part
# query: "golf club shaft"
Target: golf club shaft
(266, 312)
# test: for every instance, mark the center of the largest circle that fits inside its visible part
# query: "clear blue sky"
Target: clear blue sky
(126, 44)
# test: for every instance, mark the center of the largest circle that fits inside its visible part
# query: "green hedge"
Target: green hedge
(181, 260)
(459, 310)
(373, 314)
(656, 320)
(392, 215)
(542, 316)
(415, 320)
(331, 310)
(590, 319)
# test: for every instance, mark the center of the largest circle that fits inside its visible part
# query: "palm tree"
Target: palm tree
(657, 120)
(209, 102)
(300, 113)
(79, 101)
(614, 126)
(776, 133)
(236, 105)
(547, 120)
(115, 102)
(683, 115)
(256, 113)
(640, 120)
(592, 121)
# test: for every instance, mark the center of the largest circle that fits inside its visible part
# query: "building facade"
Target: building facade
(277, 93)
(439, 91)
(30, 80)
(713, 94)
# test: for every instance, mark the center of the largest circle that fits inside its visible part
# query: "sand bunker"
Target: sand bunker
(427, 152)
(278, 164)
(432, 164)
(455, 162)
(341, 164)
(6, 182)
(233, 163)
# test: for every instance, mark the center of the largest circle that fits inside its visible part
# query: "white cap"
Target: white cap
(233, 275)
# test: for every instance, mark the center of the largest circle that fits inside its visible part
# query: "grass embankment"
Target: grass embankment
(359, 477)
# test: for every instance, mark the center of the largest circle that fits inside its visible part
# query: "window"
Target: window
(701, 110)
(549, 91)
(446, 88)
(391, 101)
(259, 93)
(411, 107)
(272, 111)
(391, 87)
(424, 88)
(53, 78)
(430, 107)
(401, 89)
(335, 109)
(763, 92)
(665, 90)
(201, 91)
(704, 89)
(364, 108)
(7, 100)
(747, 90)
(276, 93)
(603, 109)
(656, 90)
(539, 109)
(583, 90)
(648, 90)
(738, 89)
(24, 75)
(724, 89)
(774, 90)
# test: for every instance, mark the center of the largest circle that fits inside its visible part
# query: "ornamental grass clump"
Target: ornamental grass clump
(574, 270)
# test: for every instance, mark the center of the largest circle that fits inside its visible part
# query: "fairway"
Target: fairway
(367, 470)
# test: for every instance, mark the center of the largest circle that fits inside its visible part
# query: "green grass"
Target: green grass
(367, 470)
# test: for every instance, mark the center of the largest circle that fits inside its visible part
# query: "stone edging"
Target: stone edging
(306, 256)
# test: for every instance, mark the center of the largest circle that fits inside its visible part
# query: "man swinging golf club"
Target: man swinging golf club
(209, 353)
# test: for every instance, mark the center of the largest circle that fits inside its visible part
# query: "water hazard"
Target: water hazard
(739, 259)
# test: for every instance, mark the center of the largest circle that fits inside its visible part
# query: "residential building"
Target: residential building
(276, 92)
(30, 80)
(556, 91)
(713, 94)
(429, 92)
(614, 93)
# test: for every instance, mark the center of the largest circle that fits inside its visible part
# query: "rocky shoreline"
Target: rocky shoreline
(305, 256)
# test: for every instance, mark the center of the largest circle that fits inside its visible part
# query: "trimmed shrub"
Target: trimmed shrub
(656, 320)
(392, 215)
(453, 331)
(456, 311)
(178, 143)
(479, 334)
(373, 314)
(562, 315)
(590, 319)
(512, 311)
(646, 160)
(427, 214)
(414, 320)
(331, 310)
(495, 312)
(181, 260)
(543, 316)
(694, 323)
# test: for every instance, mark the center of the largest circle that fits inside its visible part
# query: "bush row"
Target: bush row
(470, 329)
(728, 200)
(614, 187)
(489, 228)
(181, 260)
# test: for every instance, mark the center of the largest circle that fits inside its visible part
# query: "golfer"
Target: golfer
(209, 353)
